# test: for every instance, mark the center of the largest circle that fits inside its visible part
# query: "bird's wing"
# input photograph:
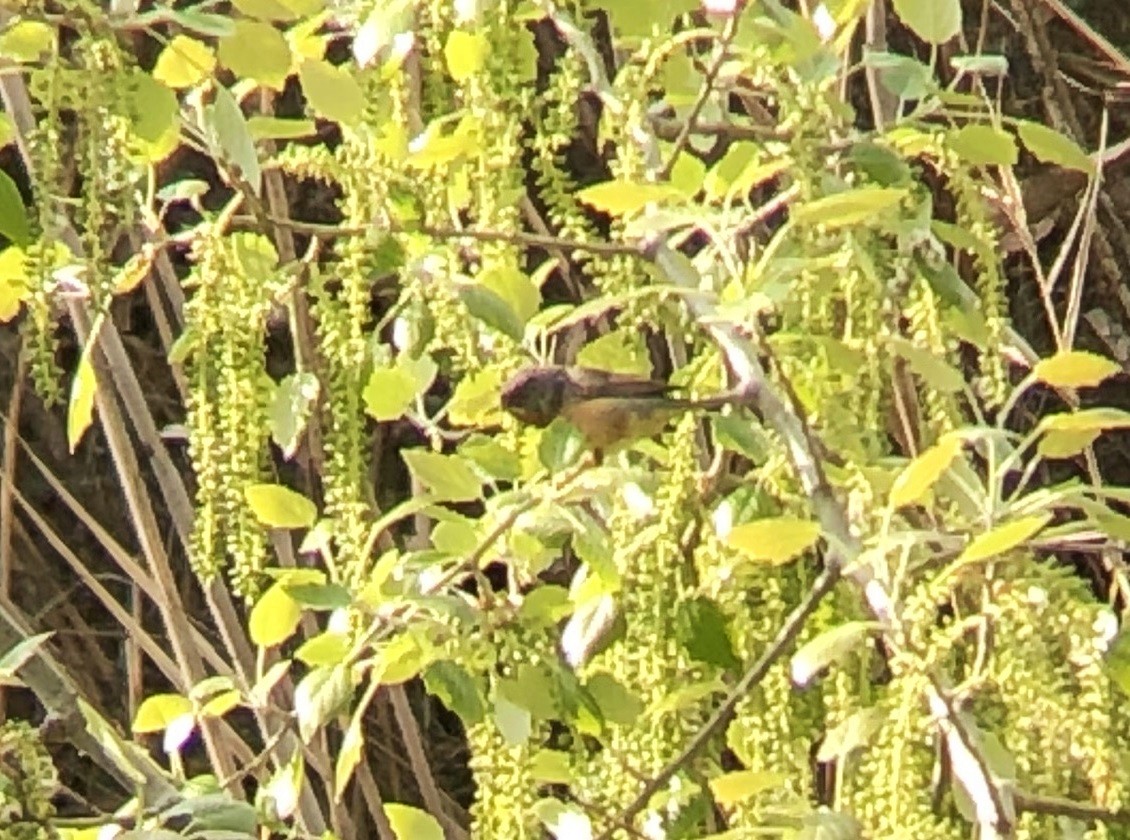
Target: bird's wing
(594, 384)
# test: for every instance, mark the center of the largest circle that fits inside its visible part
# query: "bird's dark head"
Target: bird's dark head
(536, 395)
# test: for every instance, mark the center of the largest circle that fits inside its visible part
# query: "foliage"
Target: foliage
(830, 610)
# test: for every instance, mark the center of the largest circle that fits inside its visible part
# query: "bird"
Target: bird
(607, 408)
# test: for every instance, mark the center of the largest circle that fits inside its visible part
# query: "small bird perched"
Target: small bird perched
(606, 408)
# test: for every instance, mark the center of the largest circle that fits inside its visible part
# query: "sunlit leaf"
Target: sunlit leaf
(731, 789)
(184, 62)
(465, 54)
(621, 198)
(280, 507)
(331, 91)
(448, 477)
(274, 618)
(13, 282)
(410, 823)
(290, 410)
(851, 207)
(1066, 444)
(1075, 369)
(921, 474)
(157, 711)
(80, 409)
(773, 540)
(277, 128)
(1003, 538)
(230, 129)
(26, 40)
(475, 401)
(319, 696)
(257, 51)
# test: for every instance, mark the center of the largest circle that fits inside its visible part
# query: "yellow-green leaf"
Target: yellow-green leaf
(157, 712)
(258, 51)
(331, 91)
(13, 282)
(388, 393)
(1050, 146)
(850, 207)
(410, 823)
(280, 507)
(733, 788)
(266, 10)
(184, 62)
(26, 40)
(1066, 444)
(221, 704)
(1075, 369)
(776, 540)
(348, 754)
(278, 128)
(984, 145)
(621, 198)
(447, 476)
(934, 21)
(475, 401)
(1102, 419)
(80, 411)
(465, 54)
(923, 472)
(274, 617)
(1002, 538)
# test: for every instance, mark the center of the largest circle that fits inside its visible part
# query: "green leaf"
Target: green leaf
(701, 628)
(687, 175)
(852, 733)
(456, 689)
(280, 507)
(622, 198)
(448, 477)
(934, 21)
(515, 288)
(851, 207)
(773, 540)
(184, 62)
(1003, 538)
(202, 23)
(934, 370)
(401, 659)
(618, 704)
(80, 409)
(983, 65)
(984, 145)
(513, 722)
(1075, 369)
(13, 214)
(1117, 663)
(921, 474)
(492, 309)
(332, 92)
(153, 110)
(257, 51)
(14, 658)
(1050, 146)
(410, 823)
(732, 789)
(491, 457)
(290, 410)
(560, 446)
(158, 711)
(230, 130)
(1101, 419)
(830, 647)
(901, 75)
(320, 696)
(318, 595)
(619, 351)
(552, 767)
(277, 128)
(465, 54)
(274, 618)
